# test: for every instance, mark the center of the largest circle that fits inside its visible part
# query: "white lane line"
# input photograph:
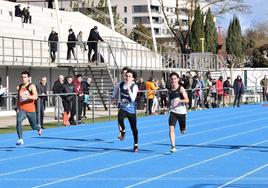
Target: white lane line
(44, 152)
(140, 120)
(195, 164)
(147, 158)
(98, 154)
(243, 176)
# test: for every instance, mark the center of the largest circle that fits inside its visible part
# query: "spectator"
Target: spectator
(156, 97)
(53, 44)
(263, 84)
(71, 44)
(207, 87)
(213, 94)
(26, 14)
(80, 41)
(163, 94)
(141, 95)
(150, 87)
(50, 3)
(219, 87)
(238, 90)
(18, 11)
(79, 91)
(227, 90)
(42, 92)
(86, 87)
(57, 89)
(188, 87)
(68, 101)
(92, 42)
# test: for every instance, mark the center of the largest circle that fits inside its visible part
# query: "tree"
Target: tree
(234, 46)
(197, 32)
(221, 7)
(210, 34)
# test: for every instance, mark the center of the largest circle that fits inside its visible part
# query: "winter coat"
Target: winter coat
(238, 87)
(71, 40)
(53, 41)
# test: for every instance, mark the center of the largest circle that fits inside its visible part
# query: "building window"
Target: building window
(140, 9)
(125, 9)
(125, 20)
(142, 20)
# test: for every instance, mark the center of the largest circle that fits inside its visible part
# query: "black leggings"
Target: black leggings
(132, 118)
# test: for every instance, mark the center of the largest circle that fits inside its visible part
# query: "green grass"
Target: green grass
(12, 129)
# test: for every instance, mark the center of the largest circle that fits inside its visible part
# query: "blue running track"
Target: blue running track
(225, 147)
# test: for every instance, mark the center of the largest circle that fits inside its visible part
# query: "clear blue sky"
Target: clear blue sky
(259, 13)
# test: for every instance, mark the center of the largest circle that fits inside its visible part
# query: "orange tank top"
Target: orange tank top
(28, 105)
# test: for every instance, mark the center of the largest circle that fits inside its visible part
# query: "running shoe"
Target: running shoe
(135, 148)
(122, 135)
(40, 132)
(172, 149)
(19, 142)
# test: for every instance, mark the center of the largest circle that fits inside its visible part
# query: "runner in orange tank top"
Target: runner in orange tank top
(27, 96)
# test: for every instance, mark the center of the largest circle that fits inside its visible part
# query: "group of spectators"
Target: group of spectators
(24, 14)
(73, 40)
(66, 90)
(202, 91)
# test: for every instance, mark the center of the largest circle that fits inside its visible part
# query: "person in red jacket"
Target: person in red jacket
(219, 88)
(79, 91)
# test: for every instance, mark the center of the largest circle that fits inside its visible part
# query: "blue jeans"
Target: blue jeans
(21, 115)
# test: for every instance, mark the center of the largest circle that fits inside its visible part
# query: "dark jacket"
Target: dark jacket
(85, 87)
(227, 86)
(93, 36)
(71, 40)
(57, 87)
(68, 88)
(41, 89)
(238, 87)
(18, 11)
(142, 87)
(53, 41)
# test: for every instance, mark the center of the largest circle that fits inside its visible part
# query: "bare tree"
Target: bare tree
(221, 7)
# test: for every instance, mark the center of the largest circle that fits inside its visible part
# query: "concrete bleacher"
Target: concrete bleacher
(124, 50)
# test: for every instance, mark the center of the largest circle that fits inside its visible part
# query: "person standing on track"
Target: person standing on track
(27, 96)
(128, 91)
(178, 99)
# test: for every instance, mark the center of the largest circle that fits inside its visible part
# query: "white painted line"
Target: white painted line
(245, 175)
(140, 120)
(196, 125)
(195, 164)
(147, 158)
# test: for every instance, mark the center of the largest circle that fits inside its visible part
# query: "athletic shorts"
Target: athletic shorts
(181, 118)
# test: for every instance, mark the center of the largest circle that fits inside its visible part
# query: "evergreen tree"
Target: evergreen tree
(197, 32)
(210, 34)
(234, 41)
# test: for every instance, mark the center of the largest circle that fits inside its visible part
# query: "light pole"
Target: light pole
(202, 41)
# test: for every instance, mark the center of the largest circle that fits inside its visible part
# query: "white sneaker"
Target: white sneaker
(19, 142)
(173, 149)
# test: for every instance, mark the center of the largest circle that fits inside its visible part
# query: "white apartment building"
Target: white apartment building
(135, 12)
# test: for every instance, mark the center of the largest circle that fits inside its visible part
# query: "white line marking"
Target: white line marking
(147, 158)
(195, 164)
(243, 176)
(140, 120)
(38, 153)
